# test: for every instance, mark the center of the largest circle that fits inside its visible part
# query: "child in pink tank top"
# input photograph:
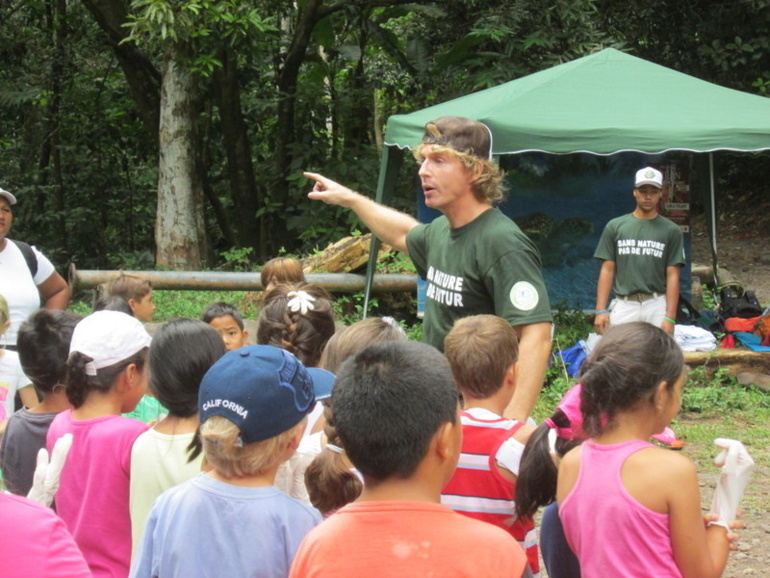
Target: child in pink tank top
(630, 508)
(106, 376)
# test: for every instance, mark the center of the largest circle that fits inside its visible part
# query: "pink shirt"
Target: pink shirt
(610, 532)
(35, 543)
(94, 489)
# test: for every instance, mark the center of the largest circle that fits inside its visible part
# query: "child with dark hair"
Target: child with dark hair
(106, 376)
(630, 508)
(228, 322)
(137, 292)
(232, 520)
(181, 353)
(281, 271)
(330, 479)
(396, 412)
(536, 482)
(43, 342)
(482, 351)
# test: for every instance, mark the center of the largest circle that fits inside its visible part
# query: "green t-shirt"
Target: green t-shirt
(147, 410)
(487, 266)
(641, 250)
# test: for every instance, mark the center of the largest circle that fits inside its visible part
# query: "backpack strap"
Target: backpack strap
(29, 256)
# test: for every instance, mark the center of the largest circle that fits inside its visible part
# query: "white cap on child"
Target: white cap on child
(108, 337)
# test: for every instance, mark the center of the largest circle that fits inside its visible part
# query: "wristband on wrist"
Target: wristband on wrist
(669, 320)
(601, 311)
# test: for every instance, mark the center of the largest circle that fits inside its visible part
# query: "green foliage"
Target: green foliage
(189, 20)
(570, 325)
(719, 392)
(172, 304)
(81, 156)
(189, 304)
(349, 308)
(237, 259)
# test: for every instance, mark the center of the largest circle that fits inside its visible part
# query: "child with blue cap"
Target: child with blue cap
(231, 520)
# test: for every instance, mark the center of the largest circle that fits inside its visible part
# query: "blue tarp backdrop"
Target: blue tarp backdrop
(563, 202)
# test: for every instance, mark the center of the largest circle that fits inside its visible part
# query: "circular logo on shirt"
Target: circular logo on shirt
(524, 296)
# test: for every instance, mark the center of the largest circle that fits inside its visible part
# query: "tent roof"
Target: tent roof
(604, 103)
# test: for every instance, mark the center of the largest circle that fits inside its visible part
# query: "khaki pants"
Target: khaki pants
(652, 311)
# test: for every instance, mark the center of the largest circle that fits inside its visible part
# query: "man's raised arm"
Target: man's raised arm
(389, 225)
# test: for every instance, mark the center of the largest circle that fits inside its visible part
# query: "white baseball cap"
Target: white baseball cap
(108, 337)
(7, 195)
(649, 176)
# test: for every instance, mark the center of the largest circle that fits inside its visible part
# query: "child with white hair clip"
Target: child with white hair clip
(106, 376)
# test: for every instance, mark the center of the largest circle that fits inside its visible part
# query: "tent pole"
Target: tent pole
(389, 166)
(713, 222)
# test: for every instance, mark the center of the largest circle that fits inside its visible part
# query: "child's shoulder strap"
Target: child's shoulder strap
(29, 255)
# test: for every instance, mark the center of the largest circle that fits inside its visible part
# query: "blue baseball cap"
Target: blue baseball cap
(262, 389)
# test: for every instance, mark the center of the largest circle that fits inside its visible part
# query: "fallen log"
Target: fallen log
(346, 255)
(735, 361)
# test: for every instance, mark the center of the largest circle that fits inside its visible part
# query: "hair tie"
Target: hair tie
(335, 449)
(90, 368)
(300, 301)
(549, 422)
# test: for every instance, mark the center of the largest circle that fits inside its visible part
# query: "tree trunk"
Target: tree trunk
(179, 229)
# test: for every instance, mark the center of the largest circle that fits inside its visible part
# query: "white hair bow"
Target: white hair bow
(300, 301)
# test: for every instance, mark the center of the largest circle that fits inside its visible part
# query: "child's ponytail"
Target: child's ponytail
(536, 482)
(330, 482)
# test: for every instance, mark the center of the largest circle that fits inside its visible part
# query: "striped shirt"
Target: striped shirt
(479, 491)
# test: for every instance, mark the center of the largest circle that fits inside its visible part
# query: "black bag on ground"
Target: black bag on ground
(687, 314)
(738, 303)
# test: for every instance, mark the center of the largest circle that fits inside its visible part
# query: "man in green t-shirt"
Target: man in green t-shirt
(642, 255)
(474, 258)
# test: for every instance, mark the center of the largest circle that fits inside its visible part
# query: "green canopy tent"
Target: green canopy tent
(606, 103)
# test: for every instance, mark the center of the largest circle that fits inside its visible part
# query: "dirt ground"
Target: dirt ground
(743, 249)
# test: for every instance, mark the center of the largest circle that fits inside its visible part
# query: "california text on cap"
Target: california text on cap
(262, 389)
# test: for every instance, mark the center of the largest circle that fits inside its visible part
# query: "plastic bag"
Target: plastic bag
(736, 464)
(574, 357)
(592, 341)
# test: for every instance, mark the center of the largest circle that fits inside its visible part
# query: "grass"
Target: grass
(174, 304)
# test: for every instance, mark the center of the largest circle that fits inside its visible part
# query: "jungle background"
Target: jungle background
(173, 133)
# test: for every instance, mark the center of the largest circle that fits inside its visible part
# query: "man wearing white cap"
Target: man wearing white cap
(642, 255)
(474, 258)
